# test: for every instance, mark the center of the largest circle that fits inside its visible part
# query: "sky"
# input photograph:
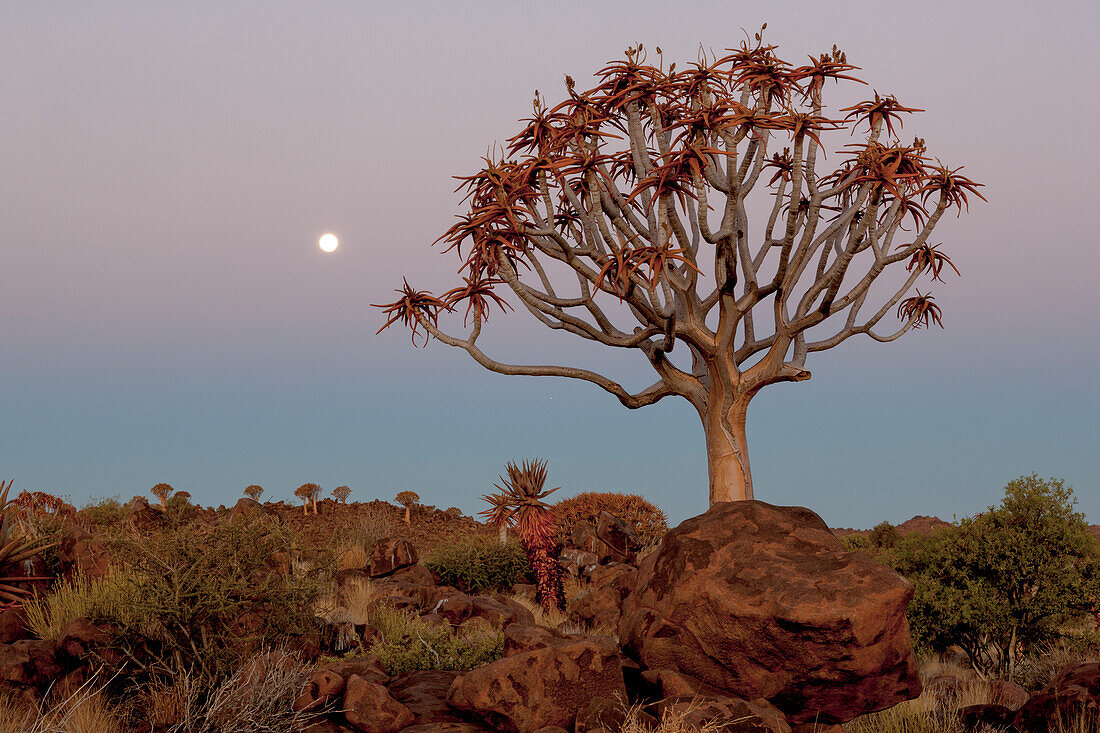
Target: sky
(166, 315)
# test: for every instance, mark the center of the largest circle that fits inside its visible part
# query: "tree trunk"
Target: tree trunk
(727, 449)
(408, 514)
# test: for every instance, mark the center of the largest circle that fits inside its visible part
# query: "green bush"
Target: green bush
(857, 543)
(884, 535)
(106, 512)
(409, 643)
(474, 564)
(1004, 582)
(203, 597)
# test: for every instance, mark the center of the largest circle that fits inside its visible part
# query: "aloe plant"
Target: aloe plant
(520, 504)
(15, 547)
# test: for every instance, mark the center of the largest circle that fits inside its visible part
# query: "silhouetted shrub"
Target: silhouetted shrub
(648, 521)
(476, 563)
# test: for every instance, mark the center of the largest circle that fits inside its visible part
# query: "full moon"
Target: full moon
(328, 242)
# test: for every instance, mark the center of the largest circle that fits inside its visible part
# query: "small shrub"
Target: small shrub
(648, 521)
(107, 512)
(856, 543)
(884, 535)
(475, 563)
(409, 643)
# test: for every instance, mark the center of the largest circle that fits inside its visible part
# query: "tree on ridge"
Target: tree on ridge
(622, 216)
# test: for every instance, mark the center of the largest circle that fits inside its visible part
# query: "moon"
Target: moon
(328, 242)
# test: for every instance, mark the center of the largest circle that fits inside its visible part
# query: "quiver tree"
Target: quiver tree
(308, 494)
(254, 492)
(621, 215)
(341, 494)
(407, 499)
(162, 492)
(519, 503)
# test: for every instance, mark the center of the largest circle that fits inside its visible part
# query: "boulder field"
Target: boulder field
(752, 616)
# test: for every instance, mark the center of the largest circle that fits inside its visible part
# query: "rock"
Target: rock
(13, 625)
(369, 708)
(1009, 694)
(446, 728)
(817, 728)
(621, 543)
(664, 683)
(141, 516)
(29, 663)
(496, 613)
(583, 537)
(1073, 695)
(725, 714)
(598, 713)
(425, 693)
(324, 688)
(80, 637)
(600, 604)
(519, 638)
(520, 613)
(327, 726)
(79, 553)
(456, 607)
(390, 554)
(577, 562)
(551, 729)
(415, 574)
(547, 686)
(979, 717)
(764, 602)
(369, 667)
(245, 508)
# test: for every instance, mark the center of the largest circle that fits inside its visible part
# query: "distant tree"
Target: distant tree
(884, 535)
(307, 493)
(1000, 584)
(314, 494)
(254, 492)
(341, 493)
(621, 216)
(520, 504)
(162, 492)
(407, 499)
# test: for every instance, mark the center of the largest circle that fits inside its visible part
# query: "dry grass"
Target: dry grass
(84, 711)
(351, 556)
(245, 703)
(556, 619)
(109, 597)
(671, 722)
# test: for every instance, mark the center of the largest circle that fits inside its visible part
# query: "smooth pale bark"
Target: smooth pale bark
(727, 452)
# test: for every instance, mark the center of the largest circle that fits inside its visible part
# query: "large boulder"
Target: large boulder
(390, 554)
(542, 687)
(80, 553)
(1070, 702)
(370, 708)
(761, 601)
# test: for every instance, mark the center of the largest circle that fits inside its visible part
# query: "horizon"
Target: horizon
(169, 317)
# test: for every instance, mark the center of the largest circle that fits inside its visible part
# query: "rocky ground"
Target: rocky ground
(749, 617)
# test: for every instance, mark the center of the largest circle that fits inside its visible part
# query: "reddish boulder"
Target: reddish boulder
(600, 604)
(324, 688)
(13, 625)
(81, 637)
(143, 517)
(983, 717)
(519, 638)
(425, 694)
(79, 553)
(369, 667)
(415, 574)
(1070, 702)
(369, 708)
(763, 601)
(547, 686)
(29, 663)
(390, 554)
(1009, 694)
(447, 728)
